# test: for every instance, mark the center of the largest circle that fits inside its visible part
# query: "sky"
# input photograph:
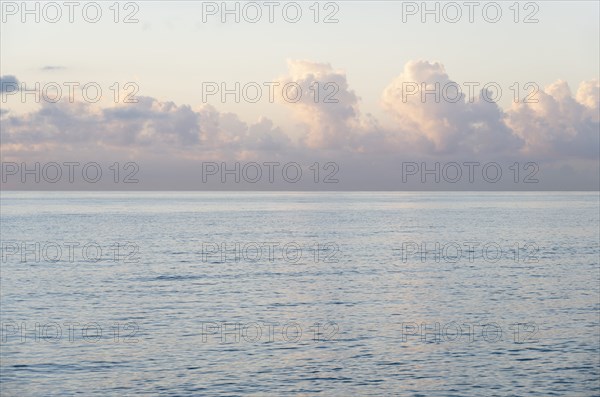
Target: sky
(372, 59)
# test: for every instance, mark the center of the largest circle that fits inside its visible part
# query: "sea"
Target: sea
(300, 293)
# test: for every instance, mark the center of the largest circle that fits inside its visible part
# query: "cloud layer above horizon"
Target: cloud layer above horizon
(562, 127)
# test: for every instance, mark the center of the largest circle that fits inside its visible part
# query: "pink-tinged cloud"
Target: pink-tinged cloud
(559, 125)
(460, 125)
(327, 107)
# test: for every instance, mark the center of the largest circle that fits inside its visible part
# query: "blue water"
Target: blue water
(359, 274)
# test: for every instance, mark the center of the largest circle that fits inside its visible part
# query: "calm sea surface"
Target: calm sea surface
(338, 294)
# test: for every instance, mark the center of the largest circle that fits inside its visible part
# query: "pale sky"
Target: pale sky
(170, 52)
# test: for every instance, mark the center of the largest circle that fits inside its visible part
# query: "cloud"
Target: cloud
(324, 103)
(148, 125)
(560, 131)
(52, 68)
(588, 95)
(559, 125)
(451, 124)
(9, 83)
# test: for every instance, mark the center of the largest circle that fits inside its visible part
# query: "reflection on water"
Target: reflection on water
(300, 293)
